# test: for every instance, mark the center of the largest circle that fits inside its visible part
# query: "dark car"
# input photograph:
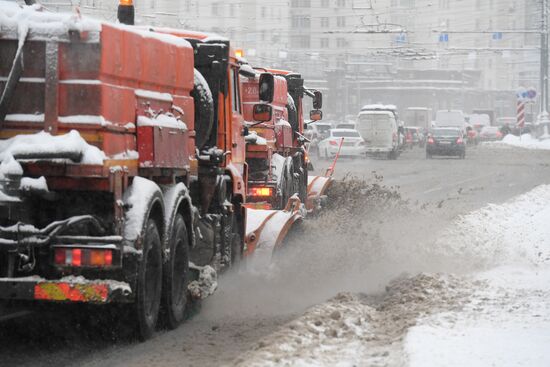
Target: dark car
(447, 141)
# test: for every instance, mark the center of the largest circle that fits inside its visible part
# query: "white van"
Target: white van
(450, 118)
(379, 130)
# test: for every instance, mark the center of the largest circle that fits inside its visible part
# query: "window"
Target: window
(300, 3)
(215, 9)
(263, 12)
(341, 42)
(341, 21)
(324, 3)
(325, 22)
(232, 10)
(300, 41)
(236, 97)
(324, 43)
(301, 21)
(341, 3)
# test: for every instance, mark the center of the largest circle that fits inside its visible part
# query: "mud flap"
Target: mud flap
(266, 231)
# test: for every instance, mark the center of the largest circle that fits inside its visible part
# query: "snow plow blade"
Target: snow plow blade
(316, 192)
(317, 186)
(266, 230)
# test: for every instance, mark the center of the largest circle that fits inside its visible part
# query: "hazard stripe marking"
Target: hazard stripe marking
(71, 292)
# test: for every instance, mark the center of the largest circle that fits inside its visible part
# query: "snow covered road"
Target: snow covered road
(447, 279)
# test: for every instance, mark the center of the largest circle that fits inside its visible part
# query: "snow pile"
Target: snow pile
(525, 141)
(207, 283)
(162, 120)
(43, 144)
(332, 333)
(34, 184)
(254, 138)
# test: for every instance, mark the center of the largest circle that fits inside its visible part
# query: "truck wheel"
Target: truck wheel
(301, 180)
(232, 246)
(149, 282)
(176, 275)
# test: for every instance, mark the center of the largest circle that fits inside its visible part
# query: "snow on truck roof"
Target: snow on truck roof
(18, 21)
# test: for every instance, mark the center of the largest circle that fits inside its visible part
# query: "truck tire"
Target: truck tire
(301, 180)
(204, 110)
(286, 184)
(176, 275)
(149, 283)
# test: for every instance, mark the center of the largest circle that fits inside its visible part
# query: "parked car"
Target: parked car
(352, 146)
(316, 132)
(414, 136)
(447, 141)
(490, 133)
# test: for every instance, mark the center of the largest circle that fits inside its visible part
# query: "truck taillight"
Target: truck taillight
(459, 141)
(261, 191)
(430, 140)
(333, 142)
(83, 257)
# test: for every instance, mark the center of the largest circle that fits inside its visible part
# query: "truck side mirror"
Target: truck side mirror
(317, 100)
(267, 87)
(315, 115)
(262, 112)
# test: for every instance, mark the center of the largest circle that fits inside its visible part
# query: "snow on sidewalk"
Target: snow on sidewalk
(507, 321)
(526, 141)
(495, 314)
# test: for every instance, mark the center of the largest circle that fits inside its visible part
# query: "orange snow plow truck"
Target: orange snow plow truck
(122, 165)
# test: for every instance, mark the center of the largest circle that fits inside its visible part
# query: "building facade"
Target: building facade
(434, 53)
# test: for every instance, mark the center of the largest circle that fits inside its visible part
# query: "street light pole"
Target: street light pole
(544, 59)
(543, 120)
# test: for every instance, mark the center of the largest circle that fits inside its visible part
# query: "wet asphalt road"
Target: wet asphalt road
(215, 336)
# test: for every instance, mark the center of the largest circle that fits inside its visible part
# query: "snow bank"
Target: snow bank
(507, 319)
(526, 141)
(514, 232)
(321, 337)
(44, 144)
(477, 343)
